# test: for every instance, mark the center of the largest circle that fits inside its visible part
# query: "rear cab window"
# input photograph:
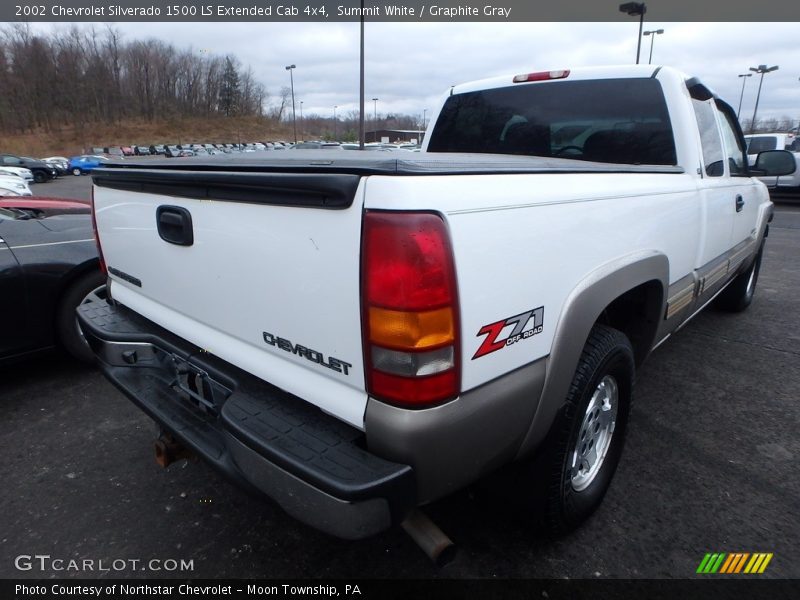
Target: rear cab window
(622, 121)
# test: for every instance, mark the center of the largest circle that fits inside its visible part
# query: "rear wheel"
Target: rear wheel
(739, 293)
(39, 176)
(89, 288)
(77, 171)
(586, 442)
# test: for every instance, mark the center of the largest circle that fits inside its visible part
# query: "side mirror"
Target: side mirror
(774, 163)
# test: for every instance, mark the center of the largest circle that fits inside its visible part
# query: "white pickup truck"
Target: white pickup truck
(355, 336)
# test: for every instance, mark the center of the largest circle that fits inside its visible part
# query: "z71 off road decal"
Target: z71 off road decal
(524, 326)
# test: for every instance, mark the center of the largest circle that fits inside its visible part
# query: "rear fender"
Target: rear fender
(583, 307)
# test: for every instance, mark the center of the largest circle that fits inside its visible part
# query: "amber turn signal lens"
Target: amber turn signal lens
(406, 330)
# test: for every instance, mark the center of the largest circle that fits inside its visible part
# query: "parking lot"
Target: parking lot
(710, 465)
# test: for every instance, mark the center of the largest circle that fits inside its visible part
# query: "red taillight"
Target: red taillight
(410, 309)
(541, 76)
(97, 238)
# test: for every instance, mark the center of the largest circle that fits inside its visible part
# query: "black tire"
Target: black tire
(77, 171)
(39, 176)
(88, 287)
(571, 494)
(739, 293)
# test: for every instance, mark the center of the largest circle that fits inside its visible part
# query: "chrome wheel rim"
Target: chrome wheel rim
(594, 436)
(751, 281)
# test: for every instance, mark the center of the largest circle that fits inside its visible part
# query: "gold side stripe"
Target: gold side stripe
(715, 275)
(680, 300)
(742, 254)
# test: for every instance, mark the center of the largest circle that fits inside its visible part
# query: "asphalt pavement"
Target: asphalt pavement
(710, 465)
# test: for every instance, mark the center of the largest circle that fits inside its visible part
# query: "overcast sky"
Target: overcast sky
(409, 65)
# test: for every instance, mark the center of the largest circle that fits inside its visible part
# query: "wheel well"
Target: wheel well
(636, 314)
(69, 280)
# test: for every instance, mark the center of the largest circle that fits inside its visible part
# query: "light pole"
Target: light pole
(636, 9)
(761, 69)
(654, 33)
(301, 120)
(744, 77)
(335, 106)
(375, 131)
(361, 116)
(291, 69)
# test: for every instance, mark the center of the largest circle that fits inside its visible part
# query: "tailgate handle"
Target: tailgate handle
(175, 225)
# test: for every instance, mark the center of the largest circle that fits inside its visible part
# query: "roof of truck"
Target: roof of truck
(573, 74)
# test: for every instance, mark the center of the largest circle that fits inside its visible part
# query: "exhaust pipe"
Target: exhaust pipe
(433, 541)
(169, 450)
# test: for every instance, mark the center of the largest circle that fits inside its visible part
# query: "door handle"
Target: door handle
(175, 225)
(739, 203)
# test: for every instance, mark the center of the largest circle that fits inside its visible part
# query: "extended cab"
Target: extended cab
(356, 335)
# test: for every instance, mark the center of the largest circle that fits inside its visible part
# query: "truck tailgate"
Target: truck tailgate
(259, 269)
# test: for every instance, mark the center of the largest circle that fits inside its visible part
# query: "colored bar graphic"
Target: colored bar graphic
(741, 562)
(728, 563)
(754, 564)
(703, 563)
(717, 564)
(765, 563)
(733, 563)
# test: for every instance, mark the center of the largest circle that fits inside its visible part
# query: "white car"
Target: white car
(15, 184)
(759, 142)
(22, 172)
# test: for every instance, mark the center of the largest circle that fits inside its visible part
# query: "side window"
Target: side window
(734, 150)
(713, 156)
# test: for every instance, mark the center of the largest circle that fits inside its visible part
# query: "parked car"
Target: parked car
(127, 150)
(115, 152)
(50, 265)
(759, 142)
(41, 170)
(60, 164)
(80, 165)
(37, 206)
(26, 174)
(141, 151)
(157, 149)
(16, 184)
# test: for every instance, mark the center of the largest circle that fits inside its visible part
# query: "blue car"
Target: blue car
(85, 163)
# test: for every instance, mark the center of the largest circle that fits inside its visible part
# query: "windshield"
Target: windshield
(9, 215)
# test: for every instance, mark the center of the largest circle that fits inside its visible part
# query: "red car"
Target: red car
(45, 207)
